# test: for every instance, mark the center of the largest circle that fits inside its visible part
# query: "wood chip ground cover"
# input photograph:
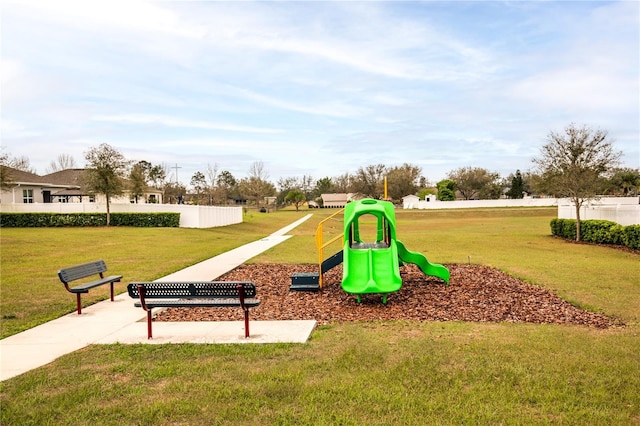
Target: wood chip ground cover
(475, 293)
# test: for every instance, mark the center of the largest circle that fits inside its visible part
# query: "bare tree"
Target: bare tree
(256, 186)
(573, 163)
(369, 181)
(64, 162)
(256, 170)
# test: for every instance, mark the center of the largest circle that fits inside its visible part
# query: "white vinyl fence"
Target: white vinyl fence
(190, 216)
(624, 211)
(432, 203)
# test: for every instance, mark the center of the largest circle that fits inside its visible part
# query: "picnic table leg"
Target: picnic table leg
(246, 323)
(149, 336)
(240, 288)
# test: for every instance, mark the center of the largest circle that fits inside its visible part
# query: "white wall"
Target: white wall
(190, 216)
(624, 211)
(471, 204)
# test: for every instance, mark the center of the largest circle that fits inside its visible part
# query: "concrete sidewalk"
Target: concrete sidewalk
(120, 322)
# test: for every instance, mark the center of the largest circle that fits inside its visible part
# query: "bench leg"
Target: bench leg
(246, 323)
(111, 291)
(78, 303)
(149, 335)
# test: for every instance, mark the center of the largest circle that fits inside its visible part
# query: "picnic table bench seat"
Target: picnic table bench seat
(192, 294)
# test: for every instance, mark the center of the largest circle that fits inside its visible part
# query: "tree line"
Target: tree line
(578, 163)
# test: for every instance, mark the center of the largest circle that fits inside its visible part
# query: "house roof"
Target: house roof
(334, 197)
(20, 176)
(68, 177)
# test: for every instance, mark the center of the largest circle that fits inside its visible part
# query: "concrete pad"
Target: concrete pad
(213, 332)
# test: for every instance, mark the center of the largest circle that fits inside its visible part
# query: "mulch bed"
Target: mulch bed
(475, 293)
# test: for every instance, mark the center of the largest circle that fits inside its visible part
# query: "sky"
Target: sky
(316, 88)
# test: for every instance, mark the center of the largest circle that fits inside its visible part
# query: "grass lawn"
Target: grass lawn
(377, 373)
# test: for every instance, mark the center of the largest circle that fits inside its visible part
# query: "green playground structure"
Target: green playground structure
(374, 266)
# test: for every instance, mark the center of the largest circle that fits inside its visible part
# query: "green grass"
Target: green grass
(30, 258)
(377, 373)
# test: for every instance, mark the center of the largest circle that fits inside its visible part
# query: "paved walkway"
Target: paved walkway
(120, 322)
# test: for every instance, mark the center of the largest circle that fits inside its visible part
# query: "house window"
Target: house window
(27, 196)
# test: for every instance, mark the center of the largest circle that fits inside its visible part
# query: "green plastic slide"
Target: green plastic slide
(427, 268)
(371, 270)
(374, 266)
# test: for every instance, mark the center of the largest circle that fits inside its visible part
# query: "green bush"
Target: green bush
(598, 232)
(51, 220)
(631, 236)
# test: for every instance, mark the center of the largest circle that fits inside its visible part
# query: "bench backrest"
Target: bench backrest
(82, 271)
(195, 289)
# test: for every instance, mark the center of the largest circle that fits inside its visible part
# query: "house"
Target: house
(64, 186)
(338, 200)
(410, 201)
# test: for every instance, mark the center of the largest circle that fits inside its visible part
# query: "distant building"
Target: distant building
(338, 200)
(64, 186)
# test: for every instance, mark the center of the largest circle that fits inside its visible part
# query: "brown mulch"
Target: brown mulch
(475, 293)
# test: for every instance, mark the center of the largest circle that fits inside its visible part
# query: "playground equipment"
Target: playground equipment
(370, 267)
(374, 266)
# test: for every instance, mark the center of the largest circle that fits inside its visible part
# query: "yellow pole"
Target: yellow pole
(385, 188)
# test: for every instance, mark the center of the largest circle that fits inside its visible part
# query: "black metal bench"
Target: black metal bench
(193, 294)
(79, 272)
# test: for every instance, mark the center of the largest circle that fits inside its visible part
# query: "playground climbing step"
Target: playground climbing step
(305, 281)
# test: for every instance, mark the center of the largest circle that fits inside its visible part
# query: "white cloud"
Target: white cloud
(178, 122)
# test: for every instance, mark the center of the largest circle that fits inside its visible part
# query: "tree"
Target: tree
(402, 181)
(138, 180)
(517, 186)
(256, 170)
(226, 186)
(256, 186)
(446, 190)
(287, 185)
(369, 181)
(424, 192)
(323, 186)
(64, 162)
(174, 192)
(6, 177)
(158, 175)
(256, 189)
(624, 181)
(343, 183)
(295, 197)
(199, 184)
(471, 180)
(573, 163)
(105, 170)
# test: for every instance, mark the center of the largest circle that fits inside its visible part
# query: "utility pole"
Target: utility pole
(176, 167)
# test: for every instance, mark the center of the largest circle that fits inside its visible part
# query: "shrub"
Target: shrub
(598, 232)
(39, 220)
(631, 236)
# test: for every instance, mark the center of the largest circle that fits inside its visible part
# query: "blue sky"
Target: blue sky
(316, 88)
